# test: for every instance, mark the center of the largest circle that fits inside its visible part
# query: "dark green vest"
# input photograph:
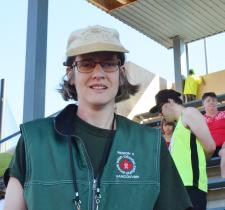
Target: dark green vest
(130, 180)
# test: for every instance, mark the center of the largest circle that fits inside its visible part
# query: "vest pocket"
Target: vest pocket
(130, 196)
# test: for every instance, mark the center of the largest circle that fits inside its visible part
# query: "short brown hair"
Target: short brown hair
(167, 123)
(126, 89)
(209, 94)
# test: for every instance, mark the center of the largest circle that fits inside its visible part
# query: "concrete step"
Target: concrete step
(213, 168)
(216, 183)
(216, 198)
(213, 172)
(216, 193)
(214, 161)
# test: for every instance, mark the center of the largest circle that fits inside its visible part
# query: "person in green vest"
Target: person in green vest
(191, 144)
(89, 157)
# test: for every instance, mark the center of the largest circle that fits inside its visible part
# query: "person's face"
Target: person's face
(210, 104)
(167, 129)
(97, 87)
(167, 111)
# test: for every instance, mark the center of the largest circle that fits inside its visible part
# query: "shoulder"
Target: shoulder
(191, 115)
(221, 114)
(37, 123)
(132, 131)
(123, 121)
(207, 118)
(38, 132)
(190, 111)
(35, 128)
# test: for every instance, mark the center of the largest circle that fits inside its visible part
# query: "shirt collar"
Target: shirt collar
(64, 121)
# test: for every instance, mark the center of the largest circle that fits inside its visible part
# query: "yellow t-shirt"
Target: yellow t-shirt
(191, 84)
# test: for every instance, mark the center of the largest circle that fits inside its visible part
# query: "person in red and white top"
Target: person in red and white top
(167, 129)
(216, 123)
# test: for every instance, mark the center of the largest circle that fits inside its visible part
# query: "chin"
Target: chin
(99, 103)
(168, 119)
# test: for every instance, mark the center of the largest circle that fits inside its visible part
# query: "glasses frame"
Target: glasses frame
(101, 63)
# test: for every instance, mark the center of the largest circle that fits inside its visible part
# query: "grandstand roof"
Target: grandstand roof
(162, 20)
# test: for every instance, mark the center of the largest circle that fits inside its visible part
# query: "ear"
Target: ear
(122, 69)
(122, 74)
(70, 75)
(171, 101)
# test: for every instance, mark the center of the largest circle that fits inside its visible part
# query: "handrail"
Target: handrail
(18, 132)
(9, 137)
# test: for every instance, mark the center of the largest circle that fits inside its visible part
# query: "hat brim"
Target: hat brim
(95, 47)
(154, 109)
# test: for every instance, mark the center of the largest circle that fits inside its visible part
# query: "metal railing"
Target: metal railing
(196, 103)
(9, 137)
(18, 132)
(155, 119)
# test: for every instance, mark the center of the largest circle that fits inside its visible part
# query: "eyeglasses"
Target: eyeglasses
(86, 66)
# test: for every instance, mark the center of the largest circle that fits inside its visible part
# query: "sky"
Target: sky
(66, 16)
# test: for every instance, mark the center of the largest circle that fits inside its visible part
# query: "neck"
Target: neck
(97, 116)
(179, 109)
(212, 113)
(167, 137)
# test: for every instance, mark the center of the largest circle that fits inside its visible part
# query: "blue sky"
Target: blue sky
(66, 16)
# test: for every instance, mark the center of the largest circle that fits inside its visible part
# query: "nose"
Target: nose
(98, 71)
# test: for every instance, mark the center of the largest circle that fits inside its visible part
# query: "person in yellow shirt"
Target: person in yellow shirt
(191, 85)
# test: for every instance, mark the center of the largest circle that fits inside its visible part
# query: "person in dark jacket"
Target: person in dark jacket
(88, 157)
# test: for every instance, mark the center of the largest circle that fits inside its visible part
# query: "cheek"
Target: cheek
(78, 82)
(118, 79)
(208, 104)
(164, 111)
(115, 81)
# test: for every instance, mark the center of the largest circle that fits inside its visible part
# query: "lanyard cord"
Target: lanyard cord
(77, 201)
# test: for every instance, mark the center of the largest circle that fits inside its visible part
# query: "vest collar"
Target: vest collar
(64, 121)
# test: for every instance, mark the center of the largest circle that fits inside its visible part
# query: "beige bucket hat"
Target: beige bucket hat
(94, 39)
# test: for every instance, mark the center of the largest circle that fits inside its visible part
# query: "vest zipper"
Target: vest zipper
(94, 187)
(94, 184)
(96, 196)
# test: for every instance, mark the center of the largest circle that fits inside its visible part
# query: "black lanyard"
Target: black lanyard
(77, 201)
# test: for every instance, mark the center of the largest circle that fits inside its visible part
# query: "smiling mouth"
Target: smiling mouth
(98, 87)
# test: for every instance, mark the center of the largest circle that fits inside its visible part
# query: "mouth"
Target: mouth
(98, 87)
(212, 106)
